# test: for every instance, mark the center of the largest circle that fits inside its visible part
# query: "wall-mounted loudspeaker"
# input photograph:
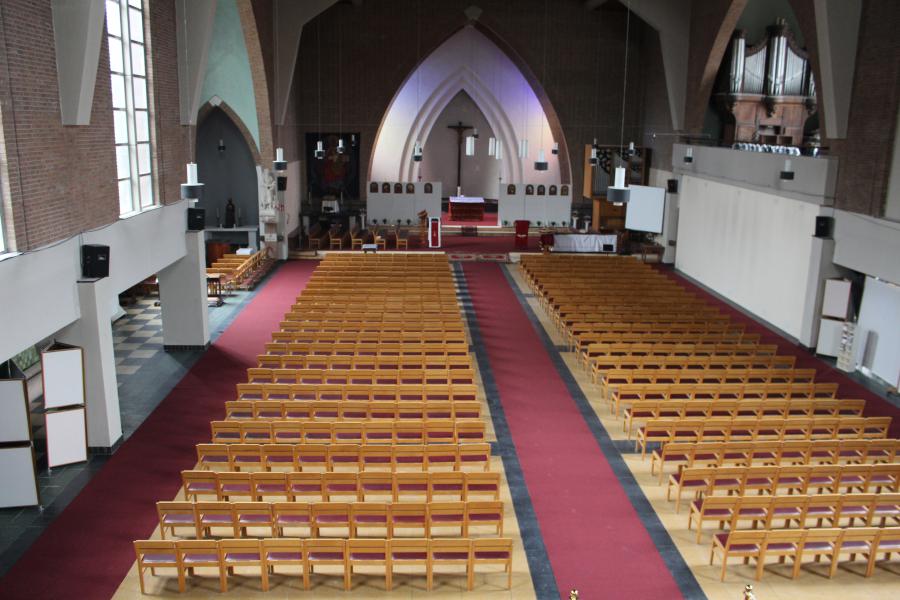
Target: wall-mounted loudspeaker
(824, 227)
(282, 184)
(196, 219)
(94, 261)
(672, 186)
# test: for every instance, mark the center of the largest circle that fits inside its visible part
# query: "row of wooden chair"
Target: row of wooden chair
(624, 395)
(613, 378)
(769, 511)
(352, 410)
(605, 356)
(371, 362)
(358, 517)
(266, 555)
(366, 348)
(773, 480)
(695, 429)
(332, 457)
(402, 376)
(764, 452)
(642, 410)
(324, 487)
(608, 363)
(295, 431)
(369, 392)
(800, 544)
(387, 337)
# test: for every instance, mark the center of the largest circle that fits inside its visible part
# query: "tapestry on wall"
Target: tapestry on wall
(336, 174)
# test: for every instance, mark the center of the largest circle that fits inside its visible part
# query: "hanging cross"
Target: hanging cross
(460, 134)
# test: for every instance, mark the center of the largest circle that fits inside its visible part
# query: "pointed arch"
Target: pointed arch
(472, 60)
(214, 103)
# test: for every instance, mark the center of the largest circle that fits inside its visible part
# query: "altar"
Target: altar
(466, 208)
(584, 242)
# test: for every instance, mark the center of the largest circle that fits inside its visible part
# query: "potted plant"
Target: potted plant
(409, 222)
(506, 223)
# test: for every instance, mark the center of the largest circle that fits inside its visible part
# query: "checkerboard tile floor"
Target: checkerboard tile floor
(137, 337)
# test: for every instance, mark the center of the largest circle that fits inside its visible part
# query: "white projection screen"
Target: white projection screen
(15, 424)
(17, 474)
(66, 437)
(646, 208)
(63, 377)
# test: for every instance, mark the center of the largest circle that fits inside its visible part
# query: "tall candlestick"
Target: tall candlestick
(620, 177)
(192, 173)
(279, 154)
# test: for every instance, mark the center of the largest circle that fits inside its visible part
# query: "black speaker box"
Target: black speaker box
(282, 184)
(94, 261)
(672, 186)
(824, 227)
(196, 219)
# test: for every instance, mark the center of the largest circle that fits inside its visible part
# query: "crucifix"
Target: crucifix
(460, 134)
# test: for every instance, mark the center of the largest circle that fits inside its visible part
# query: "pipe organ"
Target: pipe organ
(767, 90)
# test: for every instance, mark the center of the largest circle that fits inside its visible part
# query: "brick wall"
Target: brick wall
(865, 156)
(379, 51)
(62, 179)
(173, 140)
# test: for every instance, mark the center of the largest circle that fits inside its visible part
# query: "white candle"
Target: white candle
(620, 177)
(192, 173)
(631, 146)
(279, 154)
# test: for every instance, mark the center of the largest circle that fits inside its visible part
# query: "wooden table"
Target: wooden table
(465, 208)
(214, 288)
(652, 250)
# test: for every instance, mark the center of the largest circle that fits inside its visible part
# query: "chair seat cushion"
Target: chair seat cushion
(158, 558)
(284, 556)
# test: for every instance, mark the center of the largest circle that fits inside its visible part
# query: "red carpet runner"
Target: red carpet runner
(594, 538)
(87, 550)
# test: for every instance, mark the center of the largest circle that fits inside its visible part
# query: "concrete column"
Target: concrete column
(182, 294)
(93, 333)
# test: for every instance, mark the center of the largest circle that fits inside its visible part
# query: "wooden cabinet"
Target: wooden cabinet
(607, 216)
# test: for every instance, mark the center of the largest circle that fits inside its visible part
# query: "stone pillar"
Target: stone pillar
(93, 333)
(183, 297)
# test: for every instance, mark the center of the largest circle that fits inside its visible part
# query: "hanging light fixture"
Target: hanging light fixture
(340, 144)
(279, 164)
(417, 146)
(417, 151)
(618, 193)
(193, 189)
(320, 146)
(555, 150)
(541, 163)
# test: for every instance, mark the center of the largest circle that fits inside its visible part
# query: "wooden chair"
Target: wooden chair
(402, 236)
(321, 552)
(198, 553)
(497, 551)
(290, 514)
(448, 552)
(335, 239)
(282, 552)
(241, 553)
(369, 553)
(175, 514)
(157, 554)
(356, 239)
(407, 553)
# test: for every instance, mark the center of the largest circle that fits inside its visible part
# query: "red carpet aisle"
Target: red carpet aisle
(876, 406)
(86, 551)
(595, 539)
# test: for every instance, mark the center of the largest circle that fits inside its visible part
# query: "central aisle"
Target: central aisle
(594, 538)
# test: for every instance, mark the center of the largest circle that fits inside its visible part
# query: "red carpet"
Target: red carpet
(594, 538)
(876, 406)
(86, 551)
(487, 219)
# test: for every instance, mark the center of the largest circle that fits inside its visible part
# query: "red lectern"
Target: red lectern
(521, 242)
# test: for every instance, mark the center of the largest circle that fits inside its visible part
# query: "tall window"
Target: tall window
(132, 118)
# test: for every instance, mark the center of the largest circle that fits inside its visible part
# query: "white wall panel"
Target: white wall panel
(879, 327)
(751, 247)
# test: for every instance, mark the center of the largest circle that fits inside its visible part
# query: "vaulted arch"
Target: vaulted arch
(514, 106)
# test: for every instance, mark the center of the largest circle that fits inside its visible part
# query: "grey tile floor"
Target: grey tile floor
(146, 373)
